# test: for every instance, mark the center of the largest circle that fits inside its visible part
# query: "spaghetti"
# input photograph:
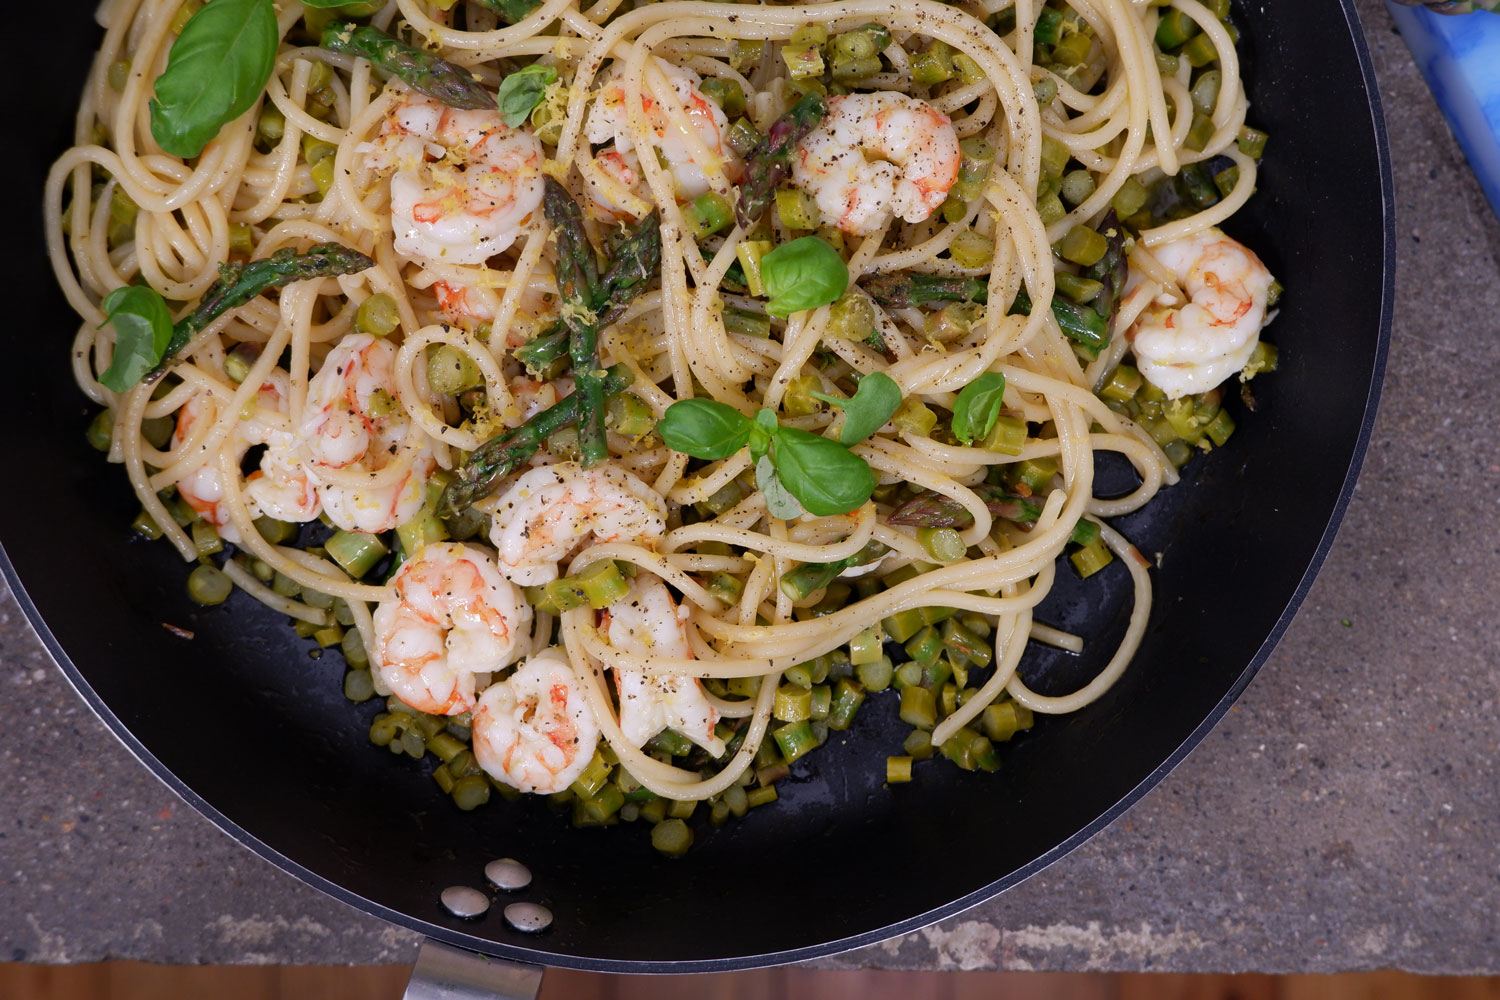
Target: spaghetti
(1020, 200)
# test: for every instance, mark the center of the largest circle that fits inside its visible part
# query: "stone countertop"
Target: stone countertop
(1339, 818)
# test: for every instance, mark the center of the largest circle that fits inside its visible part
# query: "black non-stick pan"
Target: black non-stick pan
(244, 724)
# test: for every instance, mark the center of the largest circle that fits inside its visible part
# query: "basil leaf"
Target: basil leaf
(704, 428)
(803, 274)
(762, 430)
(824, 476)
(522, 91)
(216, 71)
(352, 8)
(779, 503)
(978, 407)
(143, 328)
(512, 11)
(875, 401)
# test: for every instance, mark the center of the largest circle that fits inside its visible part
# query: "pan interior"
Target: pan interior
(246, 722)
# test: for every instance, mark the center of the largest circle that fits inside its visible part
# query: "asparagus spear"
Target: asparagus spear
(634, 262)
(499, 456)
(511, 11)
(546, 347)
(1111, 269)
(239, 283)
(900, 289)
(930, 509)
(771, 159)
(1080, 323)
(808, 577)
(421, 71)
(578, 281)
(577, 269)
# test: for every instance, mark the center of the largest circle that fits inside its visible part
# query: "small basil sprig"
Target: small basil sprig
(522, 91)
(803, 274)
(216, 71)
(143, 329)
(978, 407)
(875, 401)
(822, 476)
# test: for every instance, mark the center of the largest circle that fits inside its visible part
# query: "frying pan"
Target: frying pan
(243, 724)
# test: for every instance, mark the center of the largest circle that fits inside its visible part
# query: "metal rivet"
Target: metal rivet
(462, 901)
(508, 874)
(528, 917)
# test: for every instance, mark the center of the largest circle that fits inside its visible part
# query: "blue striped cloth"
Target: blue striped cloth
(1460, 57)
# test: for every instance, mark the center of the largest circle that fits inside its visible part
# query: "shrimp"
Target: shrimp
(624, 169)
(550, 510)
(466, 304)
(608, 120)
(279, 488)
(534, 730)
(354, 421)
(471, 297)
(1192, 348)
(877, 156)
(473, 306)
(648, 621)
(464, 183)
(453, 616)
(532, 397)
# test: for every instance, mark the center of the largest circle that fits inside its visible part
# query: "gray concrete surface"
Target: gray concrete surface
(1344, 816)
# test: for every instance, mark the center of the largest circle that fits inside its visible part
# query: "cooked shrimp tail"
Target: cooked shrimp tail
(551, 510)
(453, 616)
(464, 182)
(1193, 347)
(876, 157)
(647, 621)
(534, 730)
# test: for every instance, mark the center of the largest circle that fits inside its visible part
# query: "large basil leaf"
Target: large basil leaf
(803, 274)
(824, 476)
(217, 70)
(704, 428)
(143, 328)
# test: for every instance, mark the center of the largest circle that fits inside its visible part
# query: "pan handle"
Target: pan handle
(447, 973)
